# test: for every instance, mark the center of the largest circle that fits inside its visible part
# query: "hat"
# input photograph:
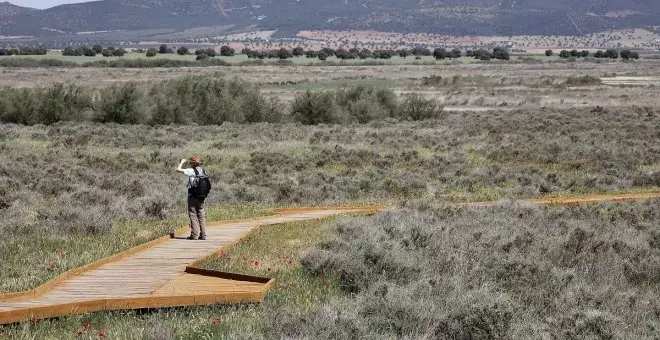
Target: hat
(195, 159)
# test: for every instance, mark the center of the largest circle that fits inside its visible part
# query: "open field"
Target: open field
(73, 192)
(458, 86)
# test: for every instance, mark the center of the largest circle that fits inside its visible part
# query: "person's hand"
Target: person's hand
(184, 160)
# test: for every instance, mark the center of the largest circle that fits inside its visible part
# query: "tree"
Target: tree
(584, 53)
(420, 51)
(612, 53)
(455, 53)
(599, 54)
(403, 53)
(311, 54)
(151, 52)
(298, 51)
(564, 54)
(284, 53)
(68, 51)
(227, 51)
(500, 53)
(634, 55)
(88, 52)
(210, 52)
(183, 50)
(341, 53)
(364, 54)
(119, 52)
(626, 54)
(98, 49)
(322, 56)
(549, 53)
(328, 51)
(440, 53)
(107, 53)
(482, 54)
(575, 53)
(162, 49)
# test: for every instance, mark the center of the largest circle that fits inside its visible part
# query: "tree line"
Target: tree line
(607, 54)
(41, 50)
(94, 51)
(356, 53)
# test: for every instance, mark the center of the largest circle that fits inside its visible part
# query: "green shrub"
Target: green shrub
(205, 100)
(31, 62)
(43, 105)
(313, 108)
(122, 104)
(18, 106)
(416, 107)
(62, 103)
(363, 104)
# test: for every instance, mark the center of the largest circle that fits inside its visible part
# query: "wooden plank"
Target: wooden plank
(132, 278)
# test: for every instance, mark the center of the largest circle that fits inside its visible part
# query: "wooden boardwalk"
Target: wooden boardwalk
(156, 275)
(161, 273)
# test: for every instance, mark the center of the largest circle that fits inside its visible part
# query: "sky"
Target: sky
(41, 4)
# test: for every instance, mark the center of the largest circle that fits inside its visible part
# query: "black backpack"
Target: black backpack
(201, 185)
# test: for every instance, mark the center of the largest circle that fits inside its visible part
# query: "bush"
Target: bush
(122, 104)
(584, 80)
(363, 104)
(313, 108)
(32, 63)
(205, 100)
(43, 105)
(416, 107)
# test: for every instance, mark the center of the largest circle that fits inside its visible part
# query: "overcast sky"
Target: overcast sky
(43, 3)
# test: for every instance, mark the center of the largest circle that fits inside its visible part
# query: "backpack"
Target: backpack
(200, 185)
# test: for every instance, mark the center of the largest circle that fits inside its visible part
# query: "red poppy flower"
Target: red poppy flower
(256, 263)
(325, 282)
(33, 318)
(102, 334)
(79, 333)
(86, 326)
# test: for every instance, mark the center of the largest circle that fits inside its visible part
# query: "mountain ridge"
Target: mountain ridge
(468, 17)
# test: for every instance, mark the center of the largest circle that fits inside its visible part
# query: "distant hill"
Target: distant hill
(461, 17)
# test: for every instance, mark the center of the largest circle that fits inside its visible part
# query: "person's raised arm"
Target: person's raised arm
(180, 167)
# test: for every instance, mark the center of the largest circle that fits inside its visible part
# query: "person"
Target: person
(195, 204)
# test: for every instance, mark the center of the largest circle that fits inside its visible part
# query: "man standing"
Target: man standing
(198, 188)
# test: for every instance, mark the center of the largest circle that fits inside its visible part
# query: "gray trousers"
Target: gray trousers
(197, 218)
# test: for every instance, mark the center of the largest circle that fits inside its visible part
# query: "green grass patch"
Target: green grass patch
(28, 263)
(276, 247)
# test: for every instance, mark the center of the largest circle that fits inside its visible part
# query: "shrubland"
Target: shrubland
(513, 271)
(73, 190)
(61, 181)
(203, 100)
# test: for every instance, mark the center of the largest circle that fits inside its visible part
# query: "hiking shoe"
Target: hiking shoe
(203, 237)
(191, 238)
